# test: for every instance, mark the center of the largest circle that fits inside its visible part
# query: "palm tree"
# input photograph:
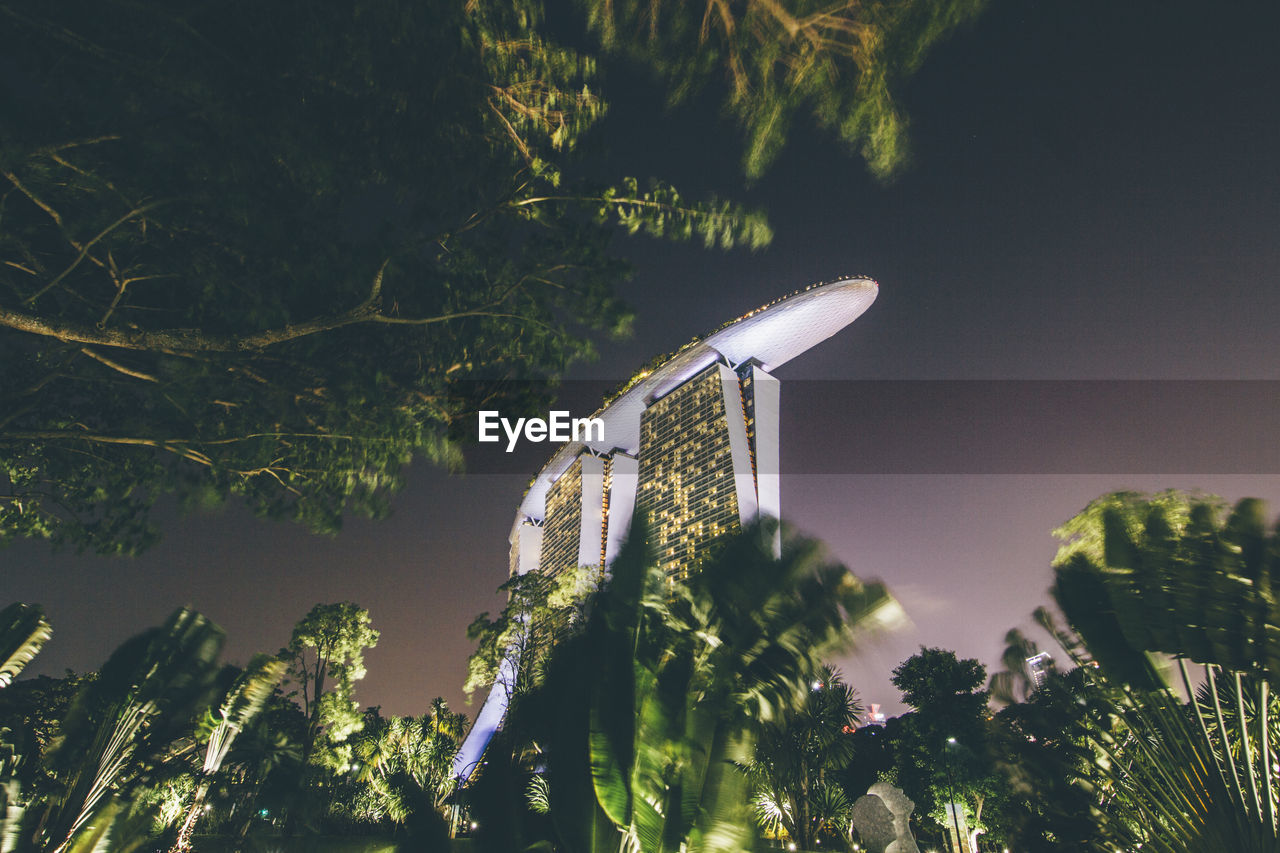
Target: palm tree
(406, 760)
(119, 729)
(646, 718)
(1014, 683)
(794, 757)
(1138, 578)
(243, 701)
(119, 724)
(23, 632)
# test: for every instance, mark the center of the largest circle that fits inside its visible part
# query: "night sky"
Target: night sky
(1091, 218)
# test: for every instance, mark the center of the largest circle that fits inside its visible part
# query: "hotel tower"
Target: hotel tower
(692, 442)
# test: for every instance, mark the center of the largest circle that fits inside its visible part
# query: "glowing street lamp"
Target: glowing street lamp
(951, 788)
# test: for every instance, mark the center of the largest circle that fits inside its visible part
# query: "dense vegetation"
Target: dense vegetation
(164, 746)
(697, 716)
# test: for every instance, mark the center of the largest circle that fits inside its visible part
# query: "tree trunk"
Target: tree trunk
(182, 843)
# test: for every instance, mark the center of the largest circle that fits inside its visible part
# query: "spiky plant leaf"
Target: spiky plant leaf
(23, 632)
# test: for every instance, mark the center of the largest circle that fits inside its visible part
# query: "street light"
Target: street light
(951, 788)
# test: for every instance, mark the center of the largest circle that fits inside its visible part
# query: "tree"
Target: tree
(541, 610)
(291, 251)
(1141, 577)
(264, 769)
(937, 681)
(31, 709)
(647, 717)
(872, 760)
(1014, 683)
(942, 749)
(243, 700)
(296, 248)
(402, 764)
(325, 656)
(797, 762)
(1042, 746)
(113, 739)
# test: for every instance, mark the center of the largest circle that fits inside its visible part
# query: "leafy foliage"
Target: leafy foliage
(1043, 749)
(838, 61)
(262, 261)
(23, 632)
(647, 716)
(243, 701)
(396, 753)
(325, 657)
(943, 750)
(797, 760)
(1014, 683)
(1173, 575)
(113, 737)
(163, 740)
(541, 610)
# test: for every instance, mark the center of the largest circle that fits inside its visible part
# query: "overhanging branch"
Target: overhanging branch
(187, 341)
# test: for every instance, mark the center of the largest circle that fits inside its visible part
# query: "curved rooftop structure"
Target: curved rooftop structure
(772, 335)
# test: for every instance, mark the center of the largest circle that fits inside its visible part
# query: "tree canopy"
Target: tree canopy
(326, 658)
(936, 678)
(941, 749)
(838, 61)
(277, 251)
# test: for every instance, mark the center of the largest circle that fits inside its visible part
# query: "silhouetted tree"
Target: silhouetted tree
(942, 749)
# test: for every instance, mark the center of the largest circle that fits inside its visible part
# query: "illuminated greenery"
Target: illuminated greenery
(164, 748)
(798, 757)
(649, 714)
(540, 611)
(942, 749)
(326, 658)
(1143, 577)
(89, 784)
(23, 632)
(838, 62)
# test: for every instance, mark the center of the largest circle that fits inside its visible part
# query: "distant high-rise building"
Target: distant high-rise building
(1039, 666)
(692, 442)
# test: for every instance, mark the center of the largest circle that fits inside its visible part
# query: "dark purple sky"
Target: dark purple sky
(1095, 195)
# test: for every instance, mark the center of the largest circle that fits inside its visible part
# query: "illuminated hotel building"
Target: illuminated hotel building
(693, 443)
(1040, 667)
(698, 470)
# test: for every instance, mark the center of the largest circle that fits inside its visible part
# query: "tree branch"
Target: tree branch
(136, 374)
(98, 438)
(84, 250)
(180, 341)
(185, 341)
